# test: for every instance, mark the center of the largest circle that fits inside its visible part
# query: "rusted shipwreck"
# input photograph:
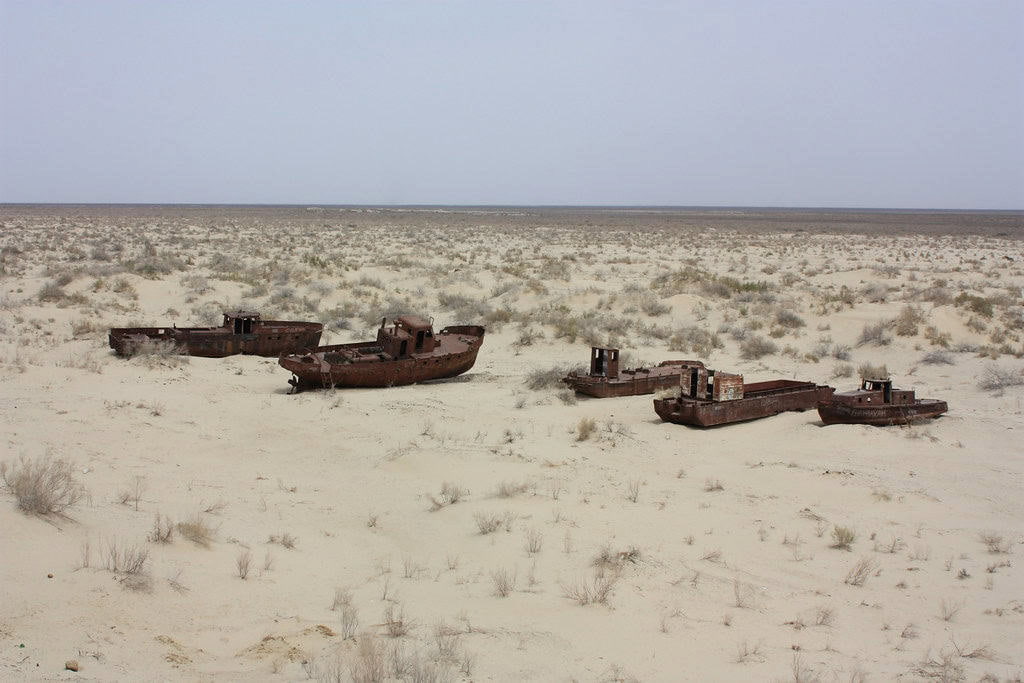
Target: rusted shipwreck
(876, 402)
(406, 352)
(605, 379)
(708, 398)
(242, 332)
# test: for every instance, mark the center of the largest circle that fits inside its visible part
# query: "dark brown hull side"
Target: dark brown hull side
(322, 372)
(384, 373)
(640, 383)
(881, 415)
(699, 413)
(271, 339)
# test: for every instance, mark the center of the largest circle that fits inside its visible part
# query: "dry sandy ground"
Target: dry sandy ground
(700, 555)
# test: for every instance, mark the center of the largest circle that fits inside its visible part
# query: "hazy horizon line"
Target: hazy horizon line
(619, 207)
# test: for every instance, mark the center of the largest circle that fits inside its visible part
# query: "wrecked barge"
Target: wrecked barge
(407, 352)
(605, 379)
(876, 402)
(242, 332)
(708, 398)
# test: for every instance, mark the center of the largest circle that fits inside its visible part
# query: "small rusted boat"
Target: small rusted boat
(708, 398)
(606, 380)
(406, 352)
(876, 402)
(242, 332)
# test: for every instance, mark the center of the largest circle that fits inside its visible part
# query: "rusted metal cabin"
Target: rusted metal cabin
(606, 380)
(242, 332)
(406, 352)
(876, 402)
(708, 398)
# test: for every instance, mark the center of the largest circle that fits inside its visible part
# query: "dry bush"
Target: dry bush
(595, 591)
(534, 541)
(163, 530)
(43, 485)
(946, 668)
(449, 495)
(948, 609)
(997, 378)
(285, 540)
(841, 370)
(861, 571)
(754, 348)
(585, 428)
(938, 357)
(504, 582)
(843, 537)
(869, 371)
(713, 485)
(745, 652)
(197, 530)
(875, 334)
(908, 320)
(551, 378)
(127, 559)
(154, 353)
(696, 339)
(509, 489)
(789, 319)
(395, 623)
(242, 563)
(994, 542)
(488, 523)
(607, 558)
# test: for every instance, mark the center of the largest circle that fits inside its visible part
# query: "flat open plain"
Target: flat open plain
(494, 526)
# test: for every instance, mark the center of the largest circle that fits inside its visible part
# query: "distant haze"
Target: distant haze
(829, 104)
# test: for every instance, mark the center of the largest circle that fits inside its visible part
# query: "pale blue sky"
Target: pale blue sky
(853, 104)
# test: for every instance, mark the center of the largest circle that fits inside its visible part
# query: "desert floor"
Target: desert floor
(483, 528)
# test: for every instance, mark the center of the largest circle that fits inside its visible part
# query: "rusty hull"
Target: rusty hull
(242, 332)
(605, 379)
(708, 398)
(878, 403)
(407, 352)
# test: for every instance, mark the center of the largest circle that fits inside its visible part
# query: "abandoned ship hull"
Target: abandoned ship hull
(628, 383)
(761, 399)
(880, 415)
(270, 338)
(362, 364)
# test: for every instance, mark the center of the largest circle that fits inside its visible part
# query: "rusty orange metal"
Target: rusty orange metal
(242, 332)
(406, 352)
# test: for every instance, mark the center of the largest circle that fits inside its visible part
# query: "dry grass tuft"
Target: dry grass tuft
(42, 486)
(596, 591)
(154, 353)
(860, 572)
(843, 537)
(450, 495)
(585, 428)
(197, 530)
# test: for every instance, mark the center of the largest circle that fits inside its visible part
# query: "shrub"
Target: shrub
(158, 352)
(869, 371)
(975, 304)
(908, 320)
(787, 318)
(757, 347)
(42, 486)
(843, 537)
(585, 428)
(550, 378)
(996, 378)
(876, 334)
(938, 357)
(197, 530)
